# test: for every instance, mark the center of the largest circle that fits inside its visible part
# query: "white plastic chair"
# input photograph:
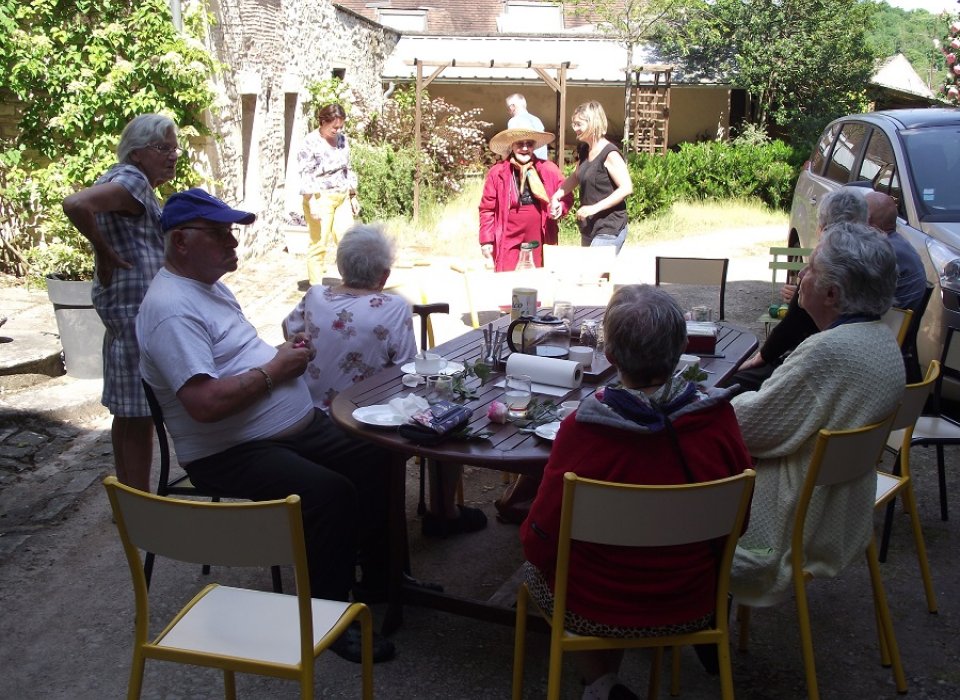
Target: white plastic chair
(234, 629)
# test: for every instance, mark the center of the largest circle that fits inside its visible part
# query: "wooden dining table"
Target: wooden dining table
(509, 448)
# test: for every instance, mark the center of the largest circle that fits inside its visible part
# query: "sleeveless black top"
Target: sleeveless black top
(595, 184)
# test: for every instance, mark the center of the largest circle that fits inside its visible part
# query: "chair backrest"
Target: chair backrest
(260, 533)
(898, 321)
(839, 456)
(633, 515)
(914, 399)
(578, 264)
(487, 290)
(949, 363)
(156, 413)
(426, 327)
(790, 259)
(694, 271)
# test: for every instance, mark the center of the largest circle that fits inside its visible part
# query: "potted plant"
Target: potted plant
(64, 264)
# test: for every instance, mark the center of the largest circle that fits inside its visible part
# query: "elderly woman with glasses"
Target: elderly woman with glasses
(515, 206)
(654, 428)
(120, 216)
(847, 375)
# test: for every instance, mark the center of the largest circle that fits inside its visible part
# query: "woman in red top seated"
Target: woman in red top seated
(621, 434)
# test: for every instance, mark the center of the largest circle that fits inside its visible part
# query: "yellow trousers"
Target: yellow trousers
(328, 215)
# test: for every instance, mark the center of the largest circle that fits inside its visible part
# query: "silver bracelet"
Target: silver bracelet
(266, 376)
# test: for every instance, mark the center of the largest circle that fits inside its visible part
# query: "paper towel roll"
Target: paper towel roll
(546, 370)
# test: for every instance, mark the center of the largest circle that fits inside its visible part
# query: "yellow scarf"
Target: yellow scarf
(532, 177)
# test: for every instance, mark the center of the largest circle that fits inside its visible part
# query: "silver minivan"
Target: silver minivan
(914, 156)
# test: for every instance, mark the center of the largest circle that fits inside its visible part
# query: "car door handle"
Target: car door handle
(813, 200)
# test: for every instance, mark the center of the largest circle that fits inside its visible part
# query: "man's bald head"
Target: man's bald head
(881, 211)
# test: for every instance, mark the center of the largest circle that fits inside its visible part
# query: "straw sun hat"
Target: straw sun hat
(501, 143)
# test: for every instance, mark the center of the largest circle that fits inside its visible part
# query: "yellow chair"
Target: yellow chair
(694, 271)
(791, 261)
(898, 321)
(234, 629)
(630, 515)
(899, 481)
(839, 456)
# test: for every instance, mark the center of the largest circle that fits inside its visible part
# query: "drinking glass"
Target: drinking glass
(590, 332)
(518, 390)
(565, 311)
(439, 388)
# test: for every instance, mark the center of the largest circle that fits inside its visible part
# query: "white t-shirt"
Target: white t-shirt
(186, 328)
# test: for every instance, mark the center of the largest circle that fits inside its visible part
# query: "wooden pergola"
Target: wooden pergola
(558, 84)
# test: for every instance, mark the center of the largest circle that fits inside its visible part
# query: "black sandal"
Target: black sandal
(469, 520)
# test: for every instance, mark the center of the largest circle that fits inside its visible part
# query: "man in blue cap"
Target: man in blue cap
(240, 413)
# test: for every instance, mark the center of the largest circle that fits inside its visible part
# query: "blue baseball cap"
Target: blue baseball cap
(196, 203)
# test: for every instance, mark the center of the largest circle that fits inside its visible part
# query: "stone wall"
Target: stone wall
(271, 50)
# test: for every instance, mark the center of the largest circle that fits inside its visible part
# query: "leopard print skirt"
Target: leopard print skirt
(543, 596)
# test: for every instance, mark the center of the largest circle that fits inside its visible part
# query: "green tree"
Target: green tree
(911, 33)
(630, 22)
(803, 63)
(79, 71)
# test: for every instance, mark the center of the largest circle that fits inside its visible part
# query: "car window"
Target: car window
(879, 166)
(934, 158)
(820, 153)
(845, 153)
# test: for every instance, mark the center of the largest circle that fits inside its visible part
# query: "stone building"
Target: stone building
(272, 50)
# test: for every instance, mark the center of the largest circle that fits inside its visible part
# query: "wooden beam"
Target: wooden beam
(490, 64)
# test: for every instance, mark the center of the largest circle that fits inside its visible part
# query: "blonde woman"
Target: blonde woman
(603, 178)
(328, 186)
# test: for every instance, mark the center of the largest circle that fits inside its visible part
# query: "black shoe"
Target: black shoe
(348, 646)
(622, 692)
(469, 520)
(709, 658)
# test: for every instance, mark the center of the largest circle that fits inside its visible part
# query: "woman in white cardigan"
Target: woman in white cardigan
(848, 375)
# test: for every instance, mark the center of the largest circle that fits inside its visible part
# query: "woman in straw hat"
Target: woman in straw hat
(603, 178)
(515, 206)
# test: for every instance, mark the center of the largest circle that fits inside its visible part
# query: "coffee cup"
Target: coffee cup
(428, 363)
(566, 408)
(581, 354)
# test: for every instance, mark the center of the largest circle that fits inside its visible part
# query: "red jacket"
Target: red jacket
(630, 587)
(499, 198)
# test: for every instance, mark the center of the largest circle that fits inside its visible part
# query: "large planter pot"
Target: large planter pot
(81, 330)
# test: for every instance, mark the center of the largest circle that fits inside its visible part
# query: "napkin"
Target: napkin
(405, 406)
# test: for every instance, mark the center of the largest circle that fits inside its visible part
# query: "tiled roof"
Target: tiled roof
(446, 17)
(896, 72)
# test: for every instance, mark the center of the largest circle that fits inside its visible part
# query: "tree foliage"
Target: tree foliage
(803, 63)
(911, 33)
(78, 72)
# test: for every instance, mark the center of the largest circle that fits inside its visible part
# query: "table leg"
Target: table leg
(399, 561)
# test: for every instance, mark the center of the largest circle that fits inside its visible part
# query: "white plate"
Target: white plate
(379, 416)
(451, 368)
(548, 431)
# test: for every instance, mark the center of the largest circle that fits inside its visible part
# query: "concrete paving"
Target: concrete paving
(66, 603)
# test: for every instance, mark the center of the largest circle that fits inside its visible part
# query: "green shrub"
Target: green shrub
(384, 180)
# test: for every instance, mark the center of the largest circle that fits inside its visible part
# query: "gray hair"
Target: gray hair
(141, 132)
(517, 99)
(860, 263)
(845, 204)
(364, 254)
(644, 333)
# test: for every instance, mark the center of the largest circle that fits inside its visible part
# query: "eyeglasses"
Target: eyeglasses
(525, 144)
(166, 149)
(218, 232)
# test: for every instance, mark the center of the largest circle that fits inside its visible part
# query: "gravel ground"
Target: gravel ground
(67, 606)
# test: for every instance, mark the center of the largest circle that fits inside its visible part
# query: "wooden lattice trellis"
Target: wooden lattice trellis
(649, 108)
